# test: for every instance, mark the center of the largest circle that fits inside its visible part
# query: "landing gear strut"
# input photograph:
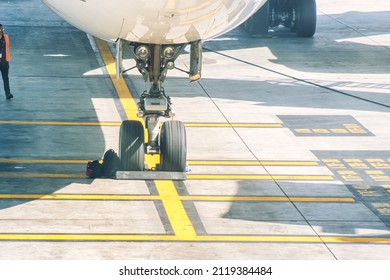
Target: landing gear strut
(168, 139)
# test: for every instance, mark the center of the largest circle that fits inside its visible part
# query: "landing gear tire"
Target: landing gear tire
(131, 146)
(173, 146)
(306, 18)
(258, 24)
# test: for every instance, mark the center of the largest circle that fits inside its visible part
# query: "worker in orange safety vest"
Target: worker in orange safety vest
(4, 61)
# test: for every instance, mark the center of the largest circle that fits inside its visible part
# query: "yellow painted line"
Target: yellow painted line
(177, 215)
(126, 103)
(294, 239)
(80, 197)
(42, 175)
(259, 177)
(267, 198)
(125, 96)
(84, 237)
(51, 161)
(252, 163)
(61, 123)
(176, 198)
(251, 125)
(156, 159)
(190, 176)
(227, 177)
(204, 238)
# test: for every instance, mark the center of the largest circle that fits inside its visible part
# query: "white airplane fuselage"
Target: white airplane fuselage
(155, 21)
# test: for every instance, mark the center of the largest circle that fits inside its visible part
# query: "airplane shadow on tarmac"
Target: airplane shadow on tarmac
(341, 218)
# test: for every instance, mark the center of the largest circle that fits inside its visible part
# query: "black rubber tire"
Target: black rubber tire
(258, 24)
(173, 145)
(131, 146)
(306, 18)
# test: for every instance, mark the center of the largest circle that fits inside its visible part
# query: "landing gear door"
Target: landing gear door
(196, 61)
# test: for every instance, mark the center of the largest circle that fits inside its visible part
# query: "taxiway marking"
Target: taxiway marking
(252, 163)
(189, 176)
(267, 198)
(250, 125)
(190, 162)
(130, 114)
(197, 238)
(42, 175)
(169, 193)
(259, 177)
(12, 122)
(50, 161)
(175, 211)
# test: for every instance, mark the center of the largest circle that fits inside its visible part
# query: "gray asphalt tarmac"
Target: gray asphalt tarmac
(288, 145)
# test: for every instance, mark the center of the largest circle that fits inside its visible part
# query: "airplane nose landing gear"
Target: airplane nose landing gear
(168, 139)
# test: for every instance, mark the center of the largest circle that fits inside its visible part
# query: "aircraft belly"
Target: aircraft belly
(155, 21)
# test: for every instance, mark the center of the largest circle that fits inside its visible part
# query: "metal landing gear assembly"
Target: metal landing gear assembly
(164, 138)
(300, 16)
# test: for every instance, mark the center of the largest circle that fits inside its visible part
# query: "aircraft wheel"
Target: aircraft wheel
(258, 24)
(306, 13)
(131, 146)
(173, 145)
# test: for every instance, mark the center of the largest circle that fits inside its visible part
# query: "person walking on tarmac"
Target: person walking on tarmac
(4, 61)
